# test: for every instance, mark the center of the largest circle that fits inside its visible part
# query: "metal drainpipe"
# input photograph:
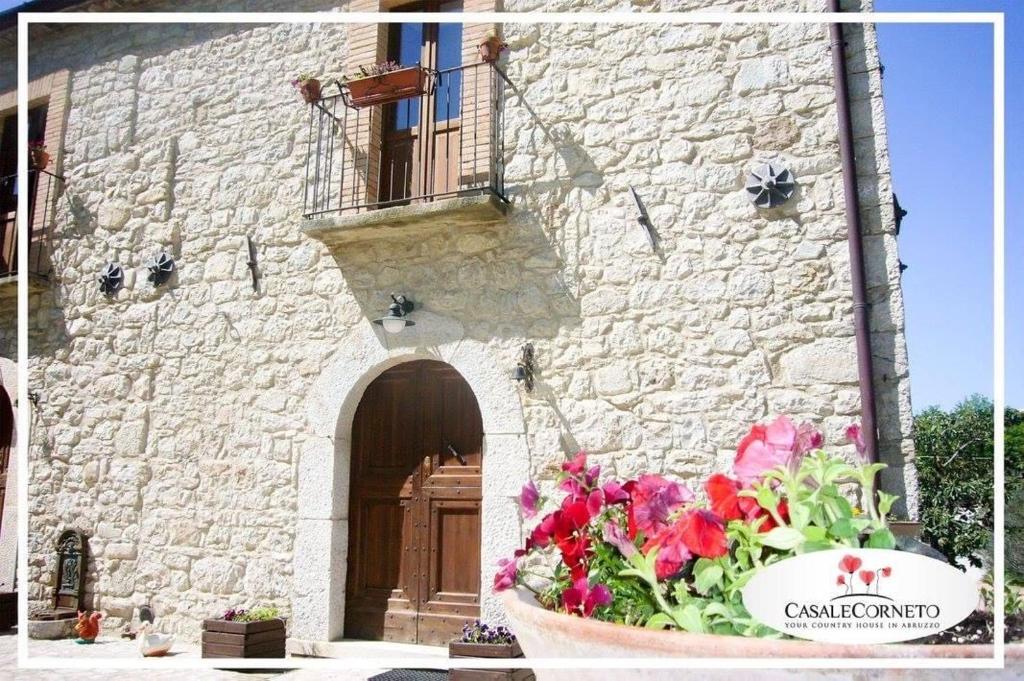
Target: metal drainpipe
(861, 323)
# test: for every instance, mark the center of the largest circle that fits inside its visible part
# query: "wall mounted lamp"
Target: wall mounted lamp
(525, 367)
(395, 320)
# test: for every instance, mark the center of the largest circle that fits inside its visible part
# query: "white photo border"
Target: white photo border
(995, 19)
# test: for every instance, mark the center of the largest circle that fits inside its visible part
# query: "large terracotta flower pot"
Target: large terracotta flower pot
(389, 87)
(543, 633)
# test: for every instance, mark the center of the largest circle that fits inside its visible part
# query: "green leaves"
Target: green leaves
(881, 539)
(783, 538)
(707, 574)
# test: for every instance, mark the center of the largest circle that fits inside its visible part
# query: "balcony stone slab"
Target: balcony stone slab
(401, 221)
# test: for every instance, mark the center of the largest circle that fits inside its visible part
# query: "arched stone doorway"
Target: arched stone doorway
(320, 548)
(414, 507)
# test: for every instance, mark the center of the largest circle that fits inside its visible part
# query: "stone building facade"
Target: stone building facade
(200, 432)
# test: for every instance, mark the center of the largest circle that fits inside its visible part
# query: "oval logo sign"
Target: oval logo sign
(860, 596)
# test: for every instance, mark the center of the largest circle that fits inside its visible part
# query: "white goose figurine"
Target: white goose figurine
(153, 644)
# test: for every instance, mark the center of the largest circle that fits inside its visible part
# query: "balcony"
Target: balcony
(403, 167)
(43, 189)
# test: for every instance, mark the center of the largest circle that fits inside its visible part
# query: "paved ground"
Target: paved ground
(116, 648)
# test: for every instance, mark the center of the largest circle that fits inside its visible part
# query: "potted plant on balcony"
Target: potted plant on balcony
(39, 157)
(384, 83)
(308, 87)
(481, 640)
(258, 632)
(644, 568)
(491, 48)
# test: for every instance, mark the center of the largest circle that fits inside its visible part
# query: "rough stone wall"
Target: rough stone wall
(171, 420)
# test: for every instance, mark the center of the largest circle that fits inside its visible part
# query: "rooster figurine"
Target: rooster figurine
(88, 627)
(153, 644)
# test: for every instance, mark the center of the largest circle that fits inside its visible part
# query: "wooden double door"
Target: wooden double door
(414, 507)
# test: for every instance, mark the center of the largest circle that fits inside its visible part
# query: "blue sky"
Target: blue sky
(938, 91)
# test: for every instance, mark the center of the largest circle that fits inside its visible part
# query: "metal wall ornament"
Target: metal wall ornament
(161, 267)
(770, 185)
(111, 279)
(526, 367)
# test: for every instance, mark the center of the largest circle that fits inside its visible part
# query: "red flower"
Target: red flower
(581, 600)
(722, 491)
(850, 563)
(654, 499)
(672, 551)
(886, 571)
(867, 576)
(840, 581)
(704, 534)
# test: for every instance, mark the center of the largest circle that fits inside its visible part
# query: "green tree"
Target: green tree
(955, 452)
(1014, 474)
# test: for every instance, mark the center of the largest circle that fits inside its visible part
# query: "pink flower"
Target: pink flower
(867, 576)
(528, 500)
(576, 466)
(886, 571)
(614, 535)
(808, 439)
(765, 448)
(855, 436)
(840, 581)
(654, 500)
(581, 600)
(614, 493)
(505, 578)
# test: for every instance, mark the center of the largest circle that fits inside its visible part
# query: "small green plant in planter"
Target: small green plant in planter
(482, 640)
(257, 632)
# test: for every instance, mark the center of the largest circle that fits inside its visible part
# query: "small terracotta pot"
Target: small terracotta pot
(310, 90)
(40, 158)
(490, 49)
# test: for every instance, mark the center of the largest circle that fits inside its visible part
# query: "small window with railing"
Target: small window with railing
(424, 125)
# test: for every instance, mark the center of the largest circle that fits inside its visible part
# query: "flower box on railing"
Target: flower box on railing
(386, 88)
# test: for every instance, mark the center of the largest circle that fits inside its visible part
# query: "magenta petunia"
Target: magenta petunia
(767, 447)
(529, 499)
(505, 577)
(581, 599)
(616, 536)
(855, 436)
(654, 500)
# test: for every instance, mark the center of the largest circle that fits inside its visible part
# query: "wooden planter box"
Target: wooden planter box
(8, 610)
(457, 649)
(222, 638)
(387, 88)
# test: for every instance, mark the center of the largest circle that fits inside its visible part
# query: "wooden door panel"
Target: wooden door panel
(454, 568)
(414, 533)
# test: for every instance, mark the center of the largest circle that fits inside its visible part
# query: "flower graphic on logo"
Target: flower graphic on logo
(851, 565)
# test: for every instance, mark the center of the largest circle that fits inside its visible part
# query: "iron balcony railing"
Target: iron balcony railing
(444, 143)
(43, 189)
